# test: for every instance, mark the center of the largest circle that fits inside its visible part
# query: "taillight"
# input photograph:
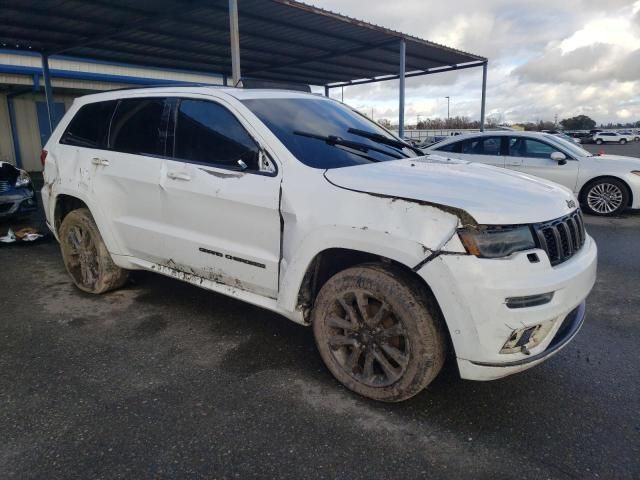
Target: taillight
(43, 156)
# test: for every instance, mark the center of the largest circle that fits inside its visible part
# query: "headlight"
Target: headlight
(495, 242)
(23, 179)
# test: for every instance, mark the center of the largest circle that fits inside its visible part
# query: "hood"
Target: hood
(491, 195)
(632, 162)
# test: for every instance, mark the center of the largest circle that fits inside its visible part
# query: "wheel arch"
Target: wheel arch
(64, 204)
(588, 184)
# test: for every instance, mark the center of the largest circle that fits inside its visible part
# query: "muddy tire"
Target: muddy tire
(379, 332)
(85, 255)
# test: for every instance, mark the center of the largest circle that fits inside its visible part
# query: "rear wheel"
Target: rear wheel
(623, 141)
(605, 197)
(85, 255)
(379, 332)
(599, 141)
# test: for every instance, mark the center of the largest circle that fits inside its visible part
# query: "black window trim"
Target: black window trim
(175, 105)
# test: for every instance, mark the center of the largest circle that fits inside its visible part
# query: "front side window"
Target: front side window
(139, 126)
(90, 126)
(322, 133)
(207, 132)
(526, 147)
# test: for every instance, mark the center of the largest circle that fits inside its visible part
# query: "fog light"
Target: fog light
(523, 339)
(529, 301)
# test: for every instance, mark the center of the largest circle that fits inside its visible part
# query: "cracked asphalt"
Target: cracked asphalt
(164, 380)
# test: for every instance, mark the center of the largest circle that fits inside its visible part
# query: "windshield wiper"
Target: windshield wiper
(377, 137)
(361, 147)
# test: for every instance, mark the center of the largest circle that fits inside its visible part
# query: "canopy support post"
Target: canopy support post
(484, 95)
(48, 93)
(326, 90)
(403, 51)
(235, 42)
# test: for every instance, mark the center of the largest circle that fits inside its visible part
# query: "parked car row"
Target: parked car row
(301, 205)
(606, 136)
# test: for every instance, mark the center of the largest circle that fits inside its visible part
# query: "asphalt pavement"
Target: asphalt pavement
(164, 380)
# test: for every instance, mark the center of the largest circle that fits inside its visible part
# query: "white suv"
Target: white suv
(612, 137)
(300, 205)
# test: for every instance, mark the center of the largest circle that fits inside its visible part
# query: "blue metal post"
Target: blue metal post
(484, 95)
(403, 50)
(326, 91)
(47, 91)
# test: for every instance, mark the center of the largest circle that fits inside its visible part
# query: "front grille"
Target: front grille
(4, 186)
(561, 238)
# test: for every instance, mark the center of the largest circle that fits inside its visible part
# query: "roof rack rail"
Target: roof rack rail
(166, 85)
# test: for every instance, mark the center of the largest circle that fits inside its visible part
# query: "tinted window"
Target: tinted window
(481, 146)
(90, 126)
(139, 126)
(208, 133)
(525, 147)
(322, 117)
(452, 147)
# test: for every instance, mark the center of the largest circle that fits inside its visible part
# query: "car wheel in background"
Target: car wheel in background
(623, 141)
(379, 332)
(636, 139)
(599, 141)
(85, 255)
(605, 197)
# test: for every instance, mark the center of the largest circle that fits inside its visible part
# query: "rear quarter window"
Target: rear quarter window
(90, 125)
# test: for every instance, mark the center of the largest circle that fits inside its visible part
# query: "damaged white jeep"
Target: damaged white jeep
(300, 205)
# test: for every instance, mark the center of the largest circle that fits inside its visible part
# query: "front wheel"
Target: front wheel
(599, 142)
(85, 255)
(605, 197)
(622, 141)
(379, 332)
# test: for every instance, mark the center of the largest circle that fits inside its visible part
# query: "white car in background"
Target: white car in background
(612, 137)
(604, 184)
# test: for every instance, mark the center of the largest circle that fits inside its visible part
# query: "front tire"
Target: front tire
(379, 332)
(622, 141)
(598, 142)
(85, 255)
(605, 197)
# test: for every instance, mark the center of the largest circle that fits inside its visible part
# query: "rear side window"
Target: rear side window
(452, 147)
(208, 133)
(139, 126)
(481, 146)
(90, 126)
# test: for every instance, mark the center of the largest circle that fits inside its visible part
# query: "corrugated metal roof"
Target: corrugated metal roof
(279, 39)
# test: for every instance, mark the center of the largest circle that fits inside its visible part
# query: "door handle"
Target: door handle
(100, 161)
(179, 176)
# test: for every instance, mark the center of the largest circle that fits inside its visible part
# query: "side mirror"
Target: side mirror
(559, 157)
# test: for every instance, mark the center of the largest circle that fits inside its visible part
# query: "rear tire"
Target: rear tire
(622, 141)
(85, 255)
(598, 142)
(379, 332)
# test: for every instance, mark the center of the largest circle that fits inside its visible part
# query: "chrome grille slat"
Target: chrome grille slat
(561, 238)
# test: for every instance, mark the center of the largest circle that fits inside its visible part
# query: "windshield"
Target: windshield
(574, 148)
(298, 122)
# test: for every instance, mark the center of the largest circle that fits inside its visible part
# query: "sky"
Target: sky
(546, 58)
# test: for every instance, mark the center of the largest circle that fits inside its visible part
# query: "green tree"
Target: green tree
(581, 122)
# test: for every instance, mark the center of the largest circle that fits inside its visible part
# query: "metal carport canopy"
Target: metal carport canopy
(279, 40)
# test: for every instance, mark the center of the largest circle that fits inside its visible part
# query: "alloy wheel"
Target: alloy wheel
(367, 340)
(83, 258)
(605, 198)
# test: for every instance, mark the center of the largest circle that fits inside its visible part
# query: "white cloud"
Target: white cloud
(545, 58)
